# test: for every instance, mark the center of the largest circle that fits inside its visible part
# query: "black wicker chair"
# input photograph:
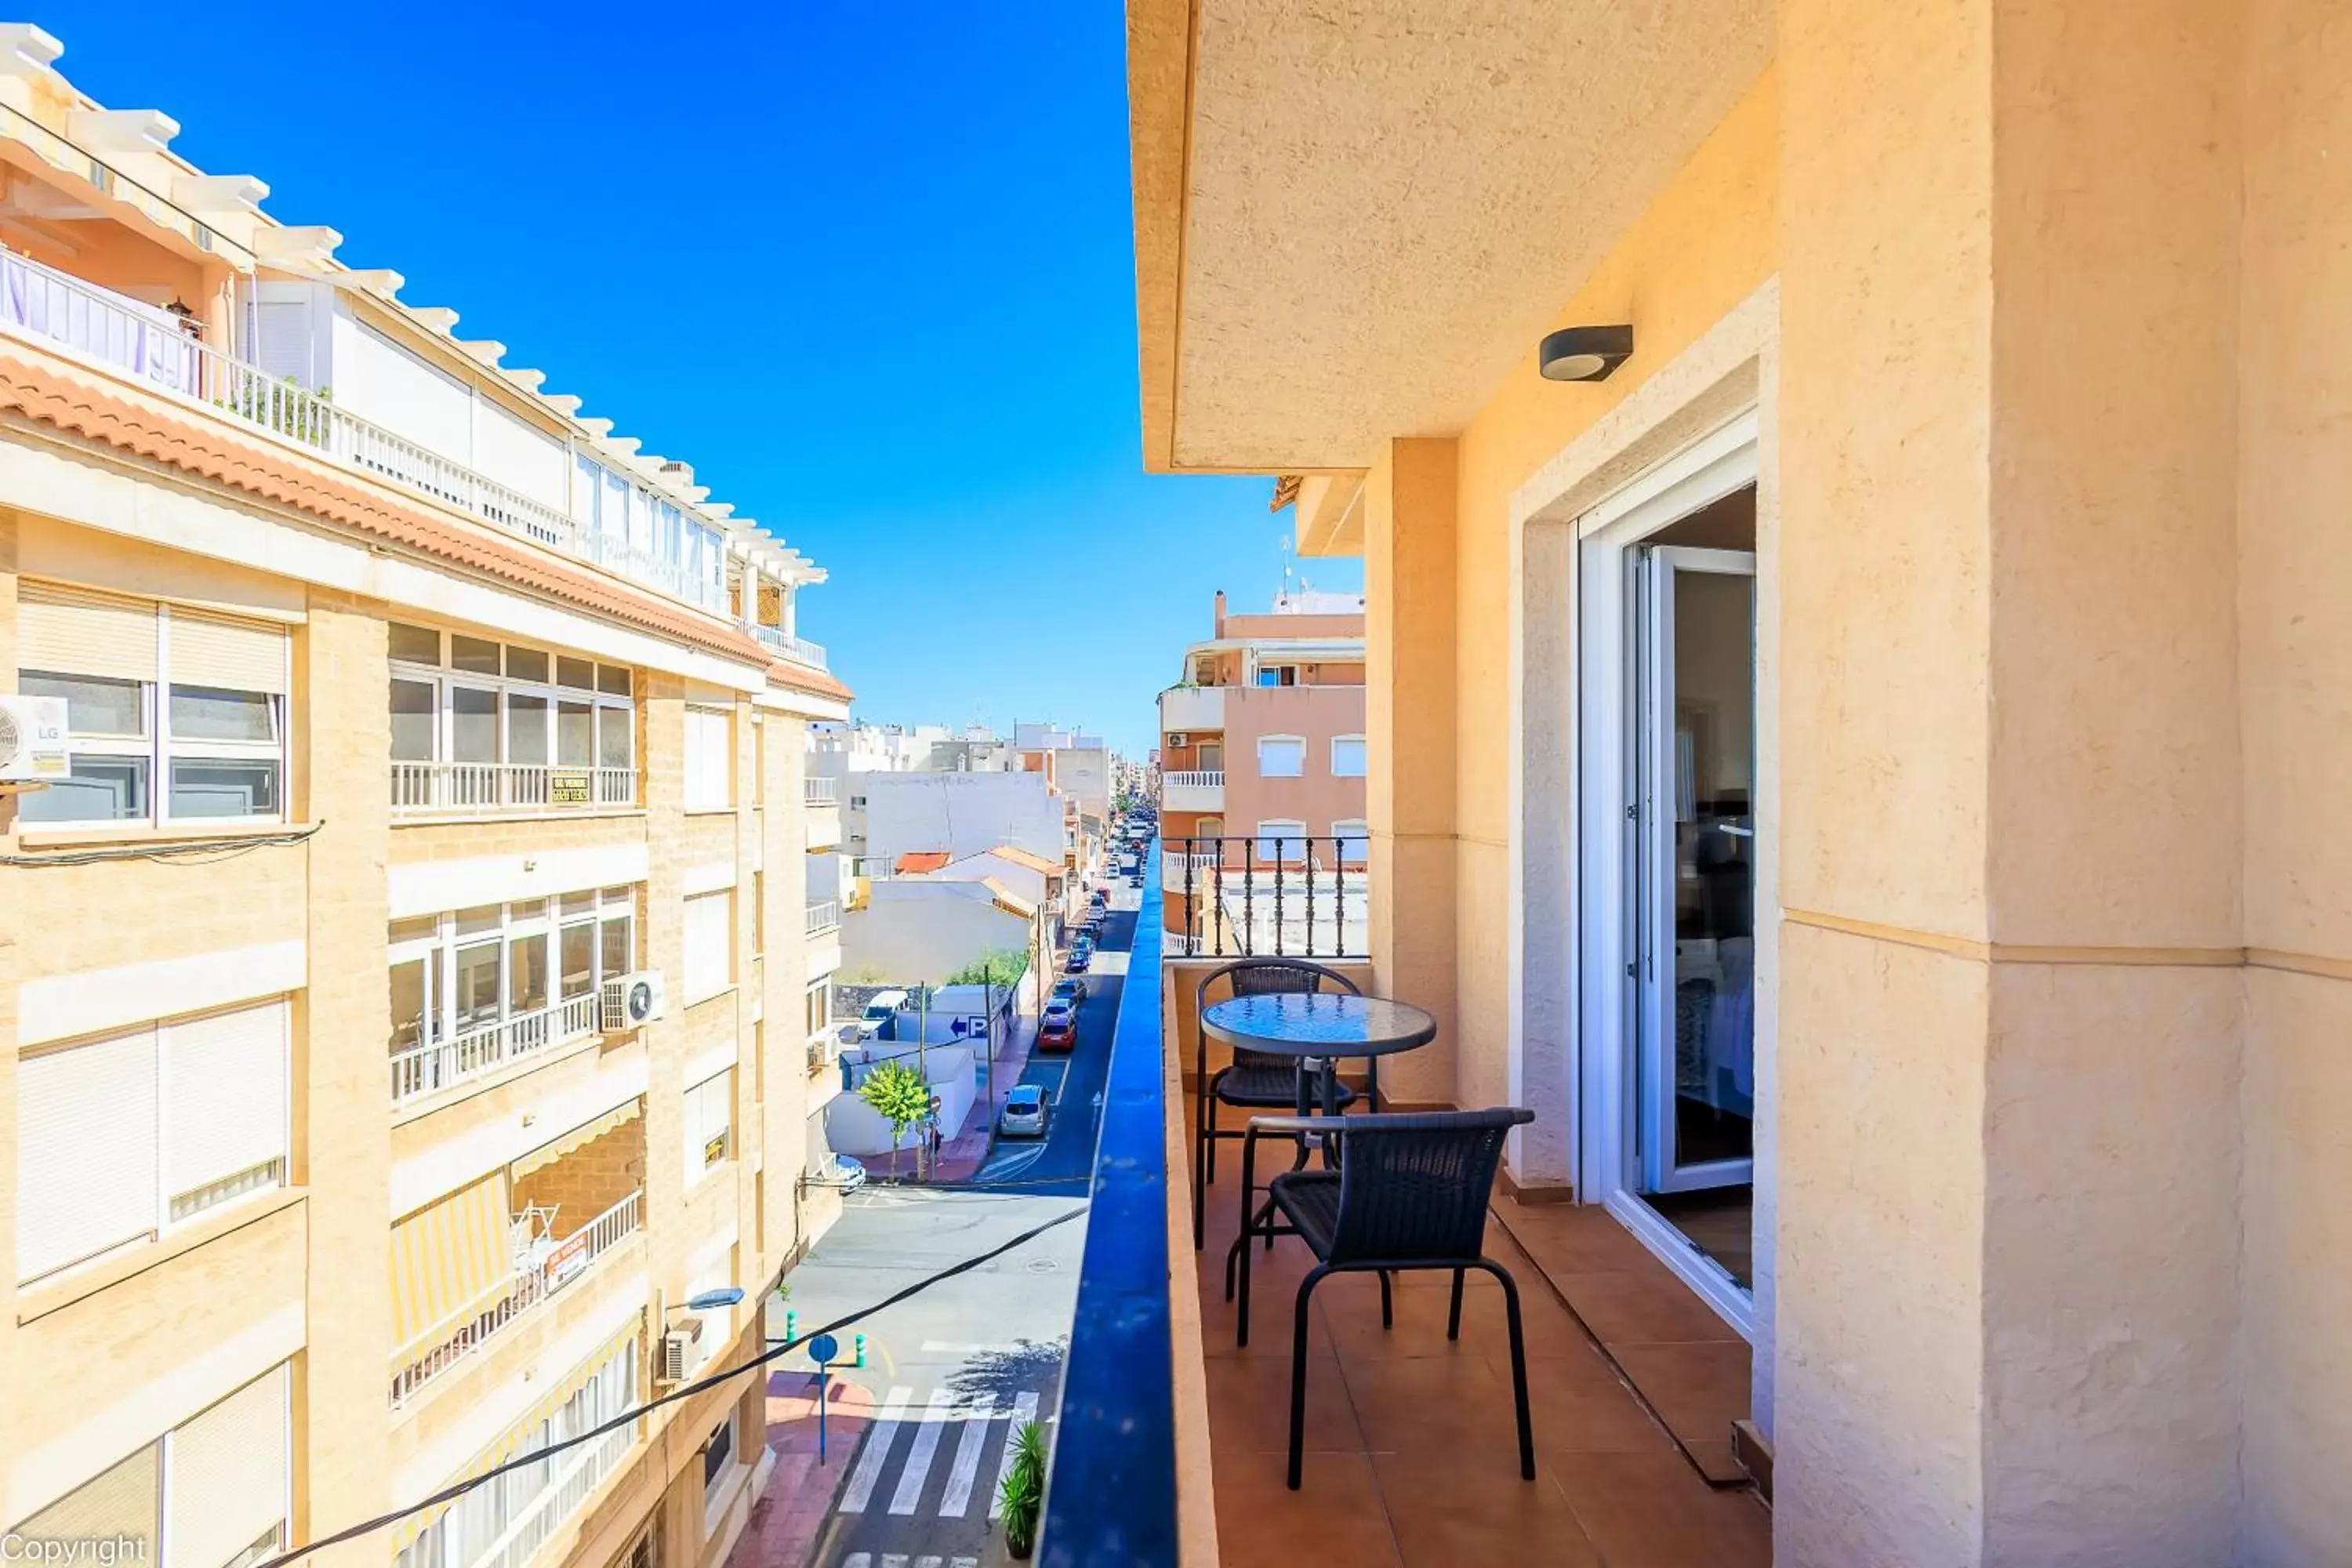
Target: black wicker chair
(1412, 1193)
(1258, 1080)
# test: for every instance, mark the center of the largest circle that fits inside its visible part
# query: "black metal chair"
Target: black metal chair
(1256, 1080)
(1410, 1195)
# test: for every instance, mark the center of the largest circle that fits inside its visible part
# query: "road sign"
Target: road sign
(823, 1349)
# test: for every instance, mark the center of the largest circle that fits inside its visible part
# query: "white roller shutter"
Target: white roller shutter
(391, 387)
(225, 1112)
(709, 759)
(233, 656)
(85, 1151)
(85, 634)
(709, 944)
(228, 1475)
(518, 455)
(124, 1500)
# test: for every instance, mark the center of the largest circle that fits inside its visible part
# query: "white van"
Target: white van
(880, 1008)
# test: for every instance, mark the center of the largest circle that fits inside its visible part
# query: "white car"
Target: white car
(1026, 1112)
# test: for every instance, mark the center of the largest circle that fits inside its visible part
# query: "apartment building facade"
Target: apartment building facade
(1262, 766)
(412, 990)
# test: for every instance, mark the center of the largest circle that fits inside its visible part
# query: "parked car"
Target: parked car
(1080, 959)
(1026, 1112)
(880, 1015)
(846, 1173)
(1071, 991)
(1058, 1030)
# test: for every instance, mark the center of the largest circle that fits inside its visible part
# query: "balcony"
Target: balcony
(440, 789)
(1184, 710)
(1170, 1446)
(82, 321)
(823, 917)
(1266, 896)
(546, 1265)
(822, 797)
(800, 650)
(821, 791)
(1194, 791)
(429, 1068)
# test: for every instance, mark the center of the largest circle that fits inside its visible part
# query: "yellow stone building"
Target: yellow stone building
(411, 992)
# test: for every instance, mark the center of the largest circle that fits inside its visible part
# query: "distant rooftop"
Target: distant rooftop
(1306, 600)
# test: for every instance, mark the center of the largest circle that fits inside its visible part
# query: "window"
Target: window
(214, 1487)
(1281, 839)
(1278, 675)
(480, 725)
(710, 943)
(709, 1123)
(1346, 756)
(170, 716)
(709, 758)
(1281, 756)
(532, 969)
(818, 1006)
(719, 1452)
(121, 1138)
(1355, 842)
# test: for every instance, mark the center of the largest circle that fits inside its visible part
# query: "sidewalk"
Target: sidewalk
(785, 1522)
(961, 1156)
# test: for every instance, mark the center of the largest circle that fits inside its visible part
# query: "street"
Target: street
(952, 1372)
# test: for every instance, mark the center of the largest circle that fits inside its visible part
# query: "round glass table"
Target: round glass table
(1318, 1025)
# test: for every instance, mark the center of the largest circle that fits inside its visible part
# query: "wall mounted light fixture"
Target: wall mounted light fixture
(1584, 354)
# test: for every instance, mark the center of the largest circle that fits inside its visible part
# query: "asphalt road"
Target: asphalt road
(1064, 1161)
(953, 1369)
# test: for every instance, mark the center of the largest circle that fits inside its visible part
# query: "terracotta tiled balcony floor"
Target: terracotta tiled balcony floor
(1412, 1455)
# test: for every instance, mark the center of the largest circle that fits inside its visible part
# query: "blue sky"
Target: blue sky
(866, 267)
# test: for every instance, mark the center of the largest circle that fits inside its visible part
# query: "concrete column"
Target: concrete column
(2008, 1164)
(342, 1119)
(1409, 706)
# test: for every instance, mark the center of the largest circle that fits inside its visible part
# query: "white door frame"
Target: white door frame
(1659, 1171)
(1712, 466)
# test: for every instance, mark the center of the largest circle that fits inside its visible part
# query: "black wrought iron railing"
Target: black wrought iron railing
(1110, 1495)
(1273, 895)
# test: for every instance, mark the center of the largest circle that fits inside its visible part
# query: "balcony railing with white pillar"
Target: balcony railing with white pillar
(546, 1266)
(59, 312)
(823, 917)
(799, 649)
(821, 791)
(443, 1064)
(425, 788)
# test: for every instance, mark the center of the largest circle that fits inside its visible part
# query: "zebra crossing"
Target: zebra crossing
(980, 1421)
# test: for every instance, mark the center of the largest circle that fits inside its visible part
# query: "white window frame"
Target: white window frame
(278, 1171)
(445, 679)
(1355, 830)
(1291, 830)
(696, 783)
(1297, 740)
(1363, 758)
(688, 977)
(438, 952)
(1275, 669)
(159, 750)
(816, 1008)
(700, 1163)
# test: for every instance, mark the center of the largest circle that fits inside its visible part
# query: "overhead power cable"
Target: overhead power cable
(459, 1488)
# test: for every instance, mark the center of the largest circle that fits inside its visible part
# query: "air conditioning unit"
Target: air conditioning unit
(632, 1001)
(1180, 739)
(32, 738)
(674, 1358)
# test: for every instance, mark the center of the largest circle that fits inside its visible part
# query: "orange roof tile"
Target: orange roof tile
(918, 860)
(67, 401)
(1021, 857)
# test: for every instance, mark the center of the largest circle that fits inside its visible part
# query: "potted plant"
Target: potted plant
(1023, 1491)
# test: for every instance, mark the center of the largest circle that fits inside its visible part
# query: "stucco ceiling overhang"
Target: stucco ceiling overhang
(1353, 217)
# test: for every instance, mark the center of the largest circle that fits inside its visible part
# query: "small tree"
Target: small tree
(899, 1095)
(1022, 1493)
(1001, 967)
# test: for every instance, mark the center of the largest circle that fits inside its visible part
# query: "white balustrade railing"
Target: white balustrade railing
(1199, 779)
(581, 1470)
(418, 787)
(547, 1269)
(823, 917)
(429, 1068)
(797, 648)
(61, 311)
(821, 791)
